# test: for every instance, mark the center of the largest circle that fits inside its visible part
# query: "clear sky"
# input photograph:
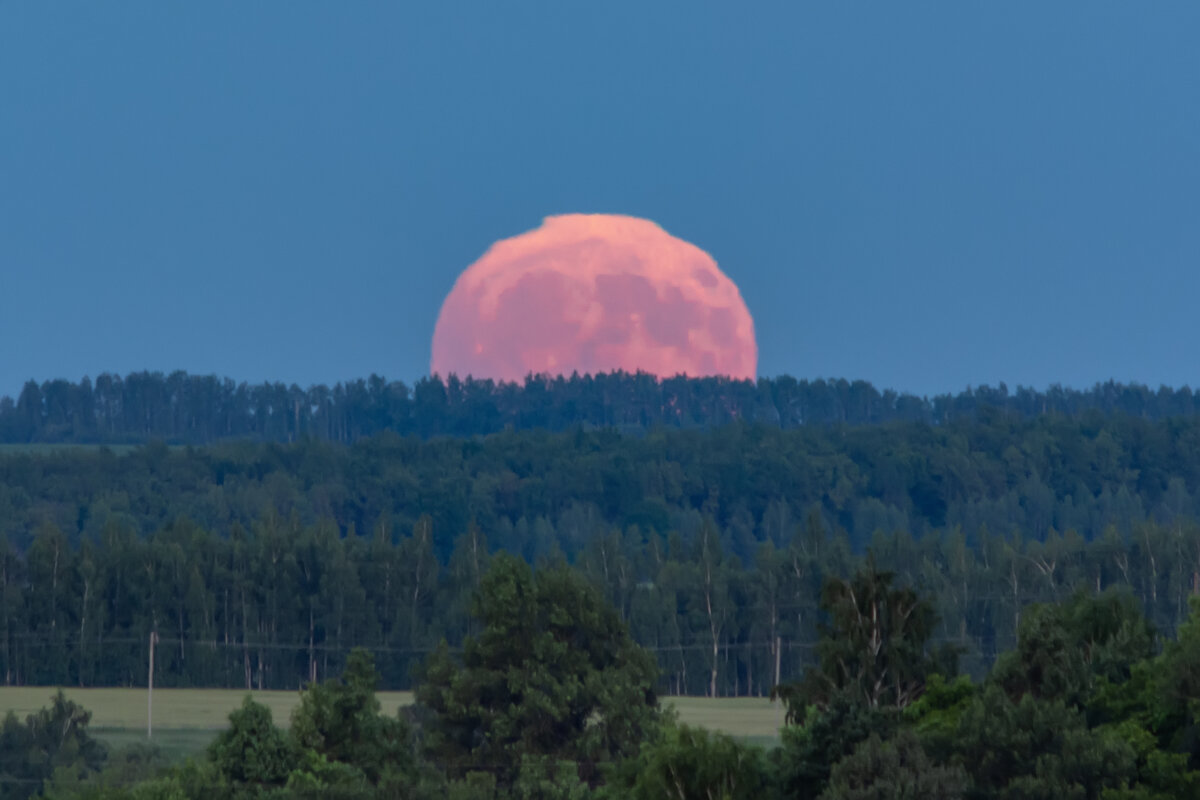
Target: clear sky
(924, 195)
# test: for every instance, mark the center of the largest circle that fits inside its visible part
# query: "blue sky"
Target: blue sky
(924, 195)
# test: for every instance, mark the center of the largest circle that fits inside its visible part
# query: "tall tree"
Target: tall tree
(553, 673)
(875, 649)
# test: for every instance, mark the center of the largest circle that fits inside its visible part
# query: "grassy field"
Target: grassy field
(185, 720)
(751, 718)
(46, 448)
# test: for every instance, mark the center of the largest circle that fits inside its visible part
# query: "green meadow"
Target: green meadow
(185, 720)
(54, 448)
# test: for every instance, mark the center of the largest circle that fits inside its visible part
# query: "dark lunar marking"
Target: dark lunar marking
(704, 277)
(531, 317)
(673, 316)
(622, 295)
(609, 333)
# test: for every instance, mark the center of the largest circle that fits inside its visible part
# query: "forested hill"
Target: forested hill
(533, 492)
(199, 409)
(251, 557)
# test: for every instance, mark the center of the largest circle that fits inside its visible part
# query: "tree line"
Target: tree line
(550, 698)
(263, 563)
(534, 491)
(281, 603)
(199, 409)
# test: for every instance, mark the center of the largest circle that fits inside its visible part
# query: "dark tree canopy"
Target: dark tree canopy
(52, 740)
(550, 699)
(874, 649)
(553, 673)
(897, 769)
(197, 409)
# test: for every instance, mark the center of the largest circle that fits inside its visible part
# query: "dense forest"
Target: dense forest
(981, 596)
(263, 563)
(549, 698)
(279, 603)
(198, 409)
(533, 491)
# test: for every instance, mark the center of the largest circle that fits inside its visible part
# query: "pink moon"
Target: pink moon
(593, 293)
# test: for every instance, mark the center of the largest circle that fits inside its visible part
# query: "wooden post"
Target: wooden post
(150, 688)
(778, 657)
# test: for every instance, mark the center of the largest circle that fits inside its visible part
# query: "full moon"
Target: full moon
(593, 293)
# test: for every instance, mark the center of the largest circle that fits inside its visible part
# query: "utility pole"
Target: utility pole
(778, 657)
(150, 688)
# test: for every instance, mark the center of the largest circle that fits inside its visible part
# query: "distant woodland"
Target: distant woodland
(199, 409)
(987, 595)
(260, 563)
(550, 698)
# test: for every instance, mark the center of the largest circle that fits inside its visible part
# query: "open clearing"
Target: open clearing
(47, 448)
(185, 720)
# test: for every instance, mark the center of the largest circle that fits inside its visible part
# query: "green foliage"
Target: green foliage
(552, 700)
(874, 650)
(339, 748)
(936, 716)
(189, 782)
(472, 786)
(1048, 663)
(318, 777)
(712, 544)
(547, 778)
(808, 751)
(202, 408)
(1111, 630)
(51, 742)
(897, 769)
(553, 674)
(1082, 708)
(340, 720)
(137, 764)
(1037, 747)
(1062, 649)
(1138, 699)
(1164, 698)
(1179, 670)
(252, 751)
(684, 762)
(1160, 775)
